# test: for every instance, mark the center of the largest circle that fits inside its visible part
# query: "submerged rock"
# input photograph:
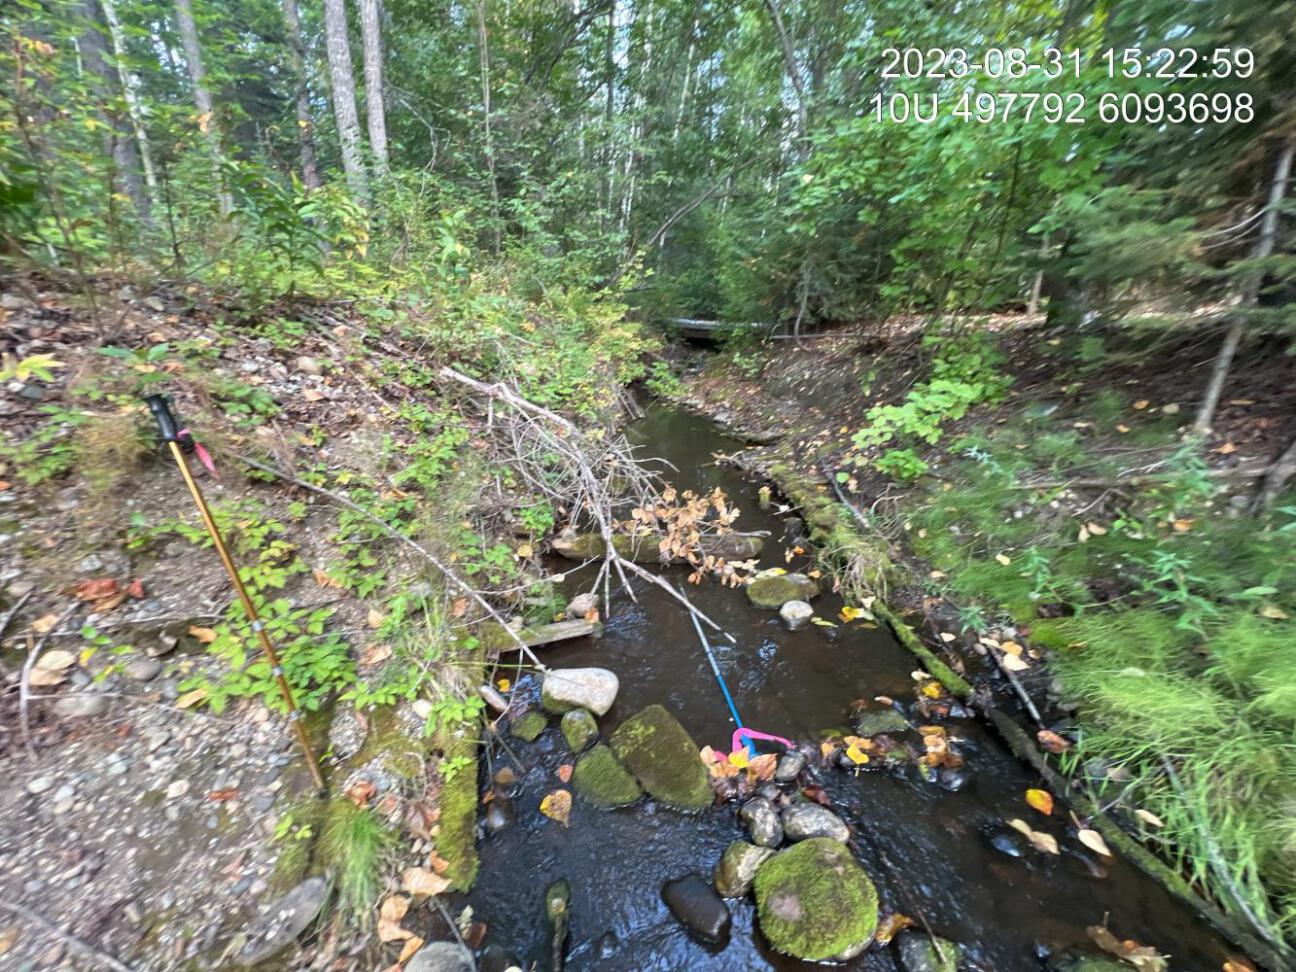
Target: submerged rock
(564, 689)
(698, 908)
(278, 927)
(814, 902)
(581, 605)
(762, 822)
(664, 758)
(1074, 960)
(603, 781)
(796, 614)
(579, 729)
(789, 766)
(528, 726)
(873, 722)
(920, 952)
(737, 868)
(803, 821)
(770, 590)
(441, 957)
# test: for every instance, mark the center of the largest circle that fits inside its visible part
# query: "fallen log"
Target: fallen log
(646, 549)
(493, 637)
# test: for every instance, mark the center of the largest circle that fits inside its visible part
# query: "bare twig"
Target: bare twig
(24, 683)
(1016, 684)
(67, 938)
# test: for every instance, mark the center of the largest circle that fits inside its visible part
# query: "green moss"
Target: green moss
(664, 758)
(603, 781)
(815, 902)
(579, 729)
(529, 725)
(775, 590)
(456, 842)
(296, 846)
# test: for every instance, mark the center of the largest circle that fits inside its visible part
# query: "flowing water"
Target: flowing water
(938, 859)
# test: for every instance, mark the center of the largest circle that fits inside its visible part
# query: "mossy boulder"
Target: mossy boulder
(579, 729)
(603, 781)
(773, 590)
(664, 758)
(814, 902)
(529, 725)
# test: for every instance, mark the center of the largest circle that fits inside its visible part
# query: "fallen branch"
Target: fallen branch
(997, 656)
(454, 579)
(67, 938)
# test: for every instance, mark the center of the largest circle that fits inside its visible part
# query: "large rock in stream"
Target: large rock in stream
(441, 957)
(564, 689)
(737, 868)
(646, 549)
(603, 781)
(814, 902)
(773, 588)
(699, 908)
(664, 758)
(280, 924)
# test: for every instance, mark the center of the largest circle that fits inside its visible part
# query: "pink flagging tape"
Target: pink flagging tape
(737, 741)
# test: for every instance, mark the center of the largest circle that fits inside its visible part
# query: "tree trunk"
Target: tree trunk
(130, 93)
(375, 112)
(344, 103)
(1275, 479)
(1263, 249)
(483, 60)
(201, 95)
(305, 123)
(794, 76)
(128, 173)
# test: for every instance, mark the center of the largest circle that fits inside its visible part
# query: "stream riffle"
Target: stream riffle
(932, 852)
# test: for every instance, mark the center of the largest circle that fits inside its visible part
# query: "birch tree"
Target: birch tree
(375, 112)
(128, 171)
(344, 102)
(130, 93)
(202, 96)
(305, 122)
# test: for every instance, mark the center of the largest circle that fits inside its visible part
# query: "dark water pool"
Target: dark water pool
(938, 859)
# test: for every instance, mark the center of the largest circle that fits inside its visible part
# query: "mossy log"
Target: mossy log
(646, 549)
(457, 840)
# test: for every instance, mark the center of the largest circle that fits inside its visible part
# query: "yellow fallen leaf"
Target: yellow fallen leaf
(936, 574)
(1171, 409)
(856, 755)
(204, 635)
(1015, 663)
(45, 678)
(190, 699)
(931, 689)
(1011, 647)
(1123, 429)
(740, 758)
(1141, 404)
(375, 618)
(1236, 963)
(557, 806)
(44, 623)
(56, 661)
(1003, 559)
(1149, 818)
(1273, 612)
(411, 947)
(1040, 841)
(849, 613)
(1094, 841)
(1183, 524)
(503, 684)
(1227, 449)
(525, 551)
(948, 637)
(823, 622)
(1083, 535)
(1041, 800)
(890, 926)
(1095, 529)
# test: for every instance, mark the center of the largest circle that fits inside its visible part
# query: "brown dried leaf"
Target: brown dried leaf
(565, 772)
(412, 945)
(94, 590)
(762, 767)
(1052, 742)
(1094, 841)
(890, 926)
(422, 881)
(361, 792)
(204, 635)
(1145, 958)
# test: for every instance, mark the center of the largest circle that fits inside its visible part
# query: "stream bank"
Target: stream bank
(931, 841)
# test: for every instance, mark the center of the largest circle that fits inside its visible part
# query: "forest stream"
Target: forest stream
(941, 854)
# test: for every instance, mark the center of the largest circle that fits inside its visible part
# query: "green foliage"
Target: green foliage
(966, 371)
(50, 451)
